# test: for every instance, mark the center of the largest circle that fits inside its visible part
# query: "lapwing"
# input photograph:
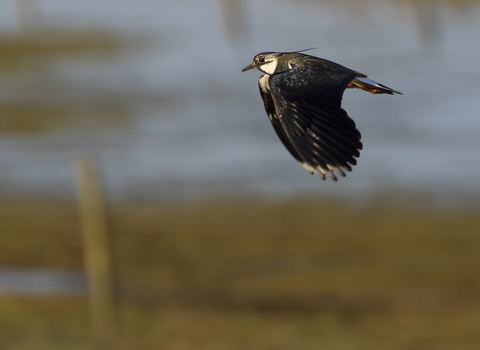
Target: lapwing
(302, 96)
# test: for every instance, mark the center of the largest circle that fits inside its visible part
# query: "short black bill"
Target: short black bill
(250, 66)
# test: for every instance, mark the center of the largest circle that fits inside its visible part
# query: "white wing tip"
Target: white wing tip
(323, 173)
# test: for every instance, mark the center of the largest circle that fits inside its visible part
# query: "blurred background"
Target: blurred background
(131, 121)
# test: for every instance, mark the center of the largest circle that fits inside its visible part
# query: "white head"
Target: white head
(265, 62)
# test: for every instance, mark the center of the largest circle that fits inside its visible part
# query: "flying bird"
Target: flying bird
(302, 96)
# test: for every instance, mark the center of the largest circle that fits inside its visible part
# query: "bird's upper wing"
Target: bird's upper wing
(304, 105)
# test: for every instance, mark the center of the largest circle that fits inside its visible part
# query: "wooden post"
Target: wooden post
(28, 13)
(429, 22)
(233, 12)
(97, 257)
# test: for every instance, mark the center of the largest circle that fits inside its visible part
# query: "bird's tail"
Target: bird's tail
(363, 83)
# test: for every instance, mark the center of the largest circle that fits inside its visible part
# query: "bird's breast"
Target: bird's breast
(264, 83)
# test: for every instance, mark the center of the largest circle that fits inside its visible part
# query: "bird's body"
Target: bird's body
(302, 96)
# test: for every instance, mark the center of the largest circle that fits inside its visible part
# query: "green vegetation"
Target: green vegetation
(240, 276)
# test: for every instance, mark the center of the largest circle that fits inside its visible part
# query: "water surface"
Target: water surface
(175, 117)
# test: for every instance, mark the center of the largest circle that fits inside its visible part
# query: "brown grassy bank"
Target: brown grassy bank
(240, 276)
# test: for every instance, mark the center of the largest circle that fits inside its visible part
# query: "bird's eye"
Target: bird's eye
(261, 60)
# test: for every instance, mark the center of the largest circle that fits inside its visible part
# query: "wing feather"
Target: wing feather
(280, 130)
(304, 106)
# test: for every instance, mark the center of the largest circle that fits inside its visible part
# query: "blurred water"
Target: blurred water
(190, 124)
(41, 282)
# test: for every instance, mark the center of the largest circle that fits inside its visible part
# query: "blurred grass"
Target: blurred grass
(295, 275)
(31, 49)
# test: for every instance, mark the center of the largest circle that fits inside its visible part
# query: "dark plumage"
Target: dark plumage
(302, 96)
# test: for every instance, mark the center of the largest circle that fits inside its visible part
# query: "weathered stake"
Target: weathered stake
(97, 257)
(28, 13)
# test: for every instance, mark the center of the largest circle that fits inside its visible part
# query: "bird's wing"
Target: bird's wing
(272, 115)
(308, 118)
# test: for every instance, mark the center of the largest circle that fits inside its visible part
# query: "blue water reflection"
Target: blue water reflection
(192, 124)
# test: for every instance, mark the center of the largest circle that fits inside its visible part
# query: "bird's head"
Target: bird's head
(265, 62)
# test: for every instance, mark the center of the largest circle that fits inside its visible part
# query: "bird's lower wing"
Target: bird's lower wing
(323, 138)
(304, 106)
